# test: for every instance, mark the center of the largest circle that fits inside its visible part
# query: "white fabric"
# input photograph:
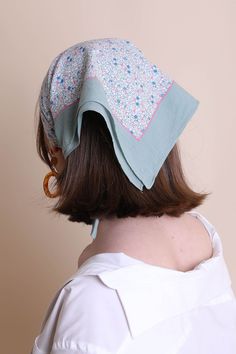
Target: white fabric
(118, 304)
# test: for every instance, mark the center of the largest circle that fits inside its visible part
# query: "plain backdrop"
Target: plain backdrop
(194, 42)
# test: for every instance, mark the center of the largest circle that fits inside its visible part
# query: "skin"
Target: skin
(57, 152)
(177, 243)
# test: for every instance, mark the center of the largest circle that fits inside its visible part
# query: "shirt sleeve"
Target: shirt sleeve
(71, 348)
(67, 351)
(80, 348)
(94, 350)
(80, 320)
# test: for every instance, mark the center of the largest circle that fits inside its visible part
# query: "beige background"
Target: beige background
(192, 41)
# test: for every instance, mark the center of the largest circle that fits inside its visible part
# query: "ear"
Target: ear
(54, 149)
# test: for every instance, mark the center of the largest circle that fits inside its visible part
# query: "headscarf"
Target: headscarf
(144, 109)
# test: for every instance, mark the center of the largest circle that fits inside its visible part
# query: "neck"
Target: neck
(123, 233)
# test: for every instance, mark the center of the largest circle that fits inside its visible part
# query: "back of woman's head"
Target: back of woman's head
(93, 184)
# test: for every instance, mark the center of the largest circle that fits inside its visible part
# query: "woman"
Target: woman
(154, 279)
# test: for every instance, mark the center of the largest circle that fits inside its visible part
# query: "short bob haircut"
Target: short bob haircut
(93, 184)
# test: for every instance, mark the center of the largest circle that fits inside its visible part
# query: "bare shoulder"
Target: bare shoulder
(198, 230)
(196, 242)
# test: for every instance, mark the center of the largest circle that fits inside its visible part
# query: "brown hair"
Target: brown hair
(93, 184)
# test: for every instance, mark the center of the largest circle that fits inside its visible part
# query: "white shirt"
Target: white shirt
(116, 304)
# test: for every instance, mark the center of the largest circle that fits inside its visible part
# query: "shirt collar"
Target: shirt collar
(151, 294)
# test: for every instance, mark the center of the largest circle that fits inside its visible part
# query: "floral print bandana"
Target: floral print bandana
(144, 109)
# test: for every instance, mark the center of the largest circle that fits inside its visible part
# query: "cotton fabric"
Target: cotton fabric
(116, 304)
(144, 109)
